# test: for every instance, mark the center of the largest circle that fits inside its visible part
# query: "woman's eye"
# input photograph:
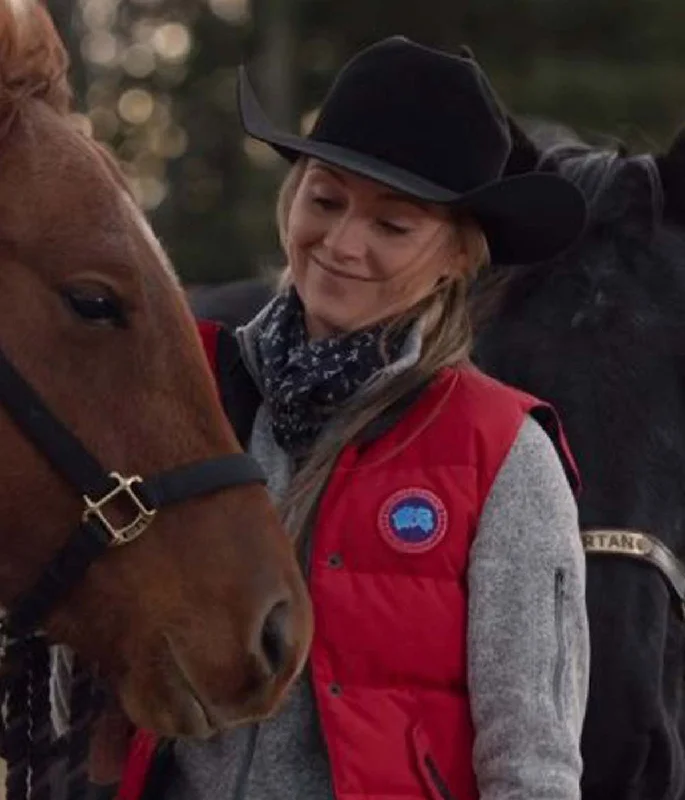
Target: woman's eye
(95, 305)
(326, 203)
(393, 227)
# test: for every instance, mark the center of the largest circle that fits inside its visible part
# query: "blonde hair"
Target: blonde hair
(446, 341)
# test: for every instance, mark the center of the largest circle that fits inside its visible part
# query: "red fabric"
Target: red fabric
(388, 658)
(140, 758)
(209, 332)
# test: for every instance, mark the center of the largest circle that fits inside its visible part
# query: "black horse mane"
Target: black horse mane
(606, 177)
(634, 216)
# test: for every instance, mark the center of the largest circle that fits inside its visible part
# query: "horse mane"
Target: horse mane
(625, 198)
(33, 60)
(616, 186)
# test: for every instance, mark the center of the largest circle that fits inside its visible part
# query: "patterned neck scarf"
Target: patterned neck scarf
(304, 381)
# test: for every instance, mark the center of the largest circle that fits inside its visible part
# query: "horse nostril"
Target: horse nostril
(276, 636)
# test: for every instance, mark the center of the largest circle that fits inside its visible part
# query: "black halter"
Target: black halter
(99, 489)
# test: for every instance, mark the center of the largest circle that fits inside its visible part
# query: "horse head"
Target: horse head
(203, 620)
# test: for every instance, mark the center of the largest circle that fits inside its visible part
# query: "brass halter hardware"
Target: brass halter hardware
(142, 515)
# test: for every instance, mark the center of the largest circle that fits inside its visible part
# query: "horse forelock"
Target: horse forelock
(33, 60)
(617, 188)
(625, 248)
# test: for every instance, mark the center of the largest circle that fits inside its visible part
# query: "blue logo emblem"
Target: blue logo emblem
(413, 520)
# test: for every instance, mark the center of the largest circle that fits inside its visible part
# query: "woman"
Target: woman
(434, 514)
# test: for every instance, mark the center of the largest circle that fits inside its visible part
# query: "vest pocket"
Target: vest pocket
(431, 776)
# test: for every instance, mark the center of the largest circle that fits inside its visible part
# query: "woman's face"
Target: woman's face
(360, 252)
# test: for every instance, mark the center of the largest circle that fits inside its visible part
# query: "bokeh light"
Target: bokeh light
(172, 41)
(259, 153)
(98, 14)
(169, 142)
(105, 122)
(138, 54)
(136, 106)
(148, 191)
(138, 61)
(237, 12)
(100, 47)
(308, 121)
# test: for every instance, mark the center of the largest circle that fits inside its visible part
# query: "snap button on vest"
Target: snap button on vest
(335, 561)
(335, 689)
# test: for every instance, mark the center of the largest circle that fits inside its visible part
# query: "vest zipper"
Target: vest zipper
(559, 596)
(437, 780)
(241, 784)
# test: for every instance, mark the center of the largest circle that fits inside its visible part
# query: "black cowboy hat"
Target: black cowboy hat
(428, 124)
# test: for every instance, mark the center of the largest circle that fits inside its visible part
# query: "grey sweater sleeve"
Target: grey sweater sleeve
(528, 632)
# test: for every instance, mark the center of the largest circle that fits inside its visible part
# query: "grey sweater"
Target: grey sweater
(528, 650)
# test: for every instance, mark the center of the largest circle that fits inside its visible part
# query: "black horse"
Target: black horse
(600, 333)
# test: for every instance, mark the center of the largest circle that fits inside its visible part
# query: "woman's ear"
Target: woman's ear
(458, 264)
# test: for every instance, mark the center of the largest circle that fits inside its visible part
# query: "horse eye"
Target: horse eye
(95, 305)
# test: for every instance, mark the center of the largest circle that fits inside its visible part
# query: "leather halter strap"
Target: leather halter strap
(641, 547)
(137, 498)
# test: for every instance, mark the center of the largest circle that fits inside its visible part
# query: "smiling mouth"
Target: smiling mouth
(340, 274)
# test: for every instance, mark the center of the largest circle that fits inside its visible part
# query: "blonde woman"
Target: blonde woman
(435, 515)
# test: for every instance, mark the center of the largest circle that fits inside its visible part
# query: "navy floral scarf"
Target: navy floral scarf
(305, 381)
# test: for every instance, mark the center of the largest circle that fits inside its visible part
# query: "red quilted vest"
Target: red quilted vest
(389, 585)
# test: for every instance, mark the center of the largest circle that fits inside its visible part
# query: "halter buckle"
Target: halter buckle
(142, 515)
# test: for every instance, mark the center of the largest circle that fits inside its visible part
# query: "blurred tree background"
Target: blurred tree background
(156, 81)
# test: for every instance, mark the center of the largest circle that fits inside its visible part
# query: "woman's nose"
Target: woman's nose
(346, 238)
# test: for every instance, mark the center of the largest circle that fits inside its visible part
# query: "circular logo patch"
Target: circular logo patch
(413, 520)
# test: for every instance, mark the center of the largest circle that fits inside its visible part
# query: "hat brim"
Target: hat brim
(526, 218)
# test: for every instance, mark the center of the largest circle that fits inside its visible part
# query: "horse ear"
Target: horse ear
(525, 155)
(33, 59)
(671, 167)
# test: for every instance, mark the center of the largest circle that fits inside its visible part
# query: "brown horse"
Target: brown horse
(204, 619)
